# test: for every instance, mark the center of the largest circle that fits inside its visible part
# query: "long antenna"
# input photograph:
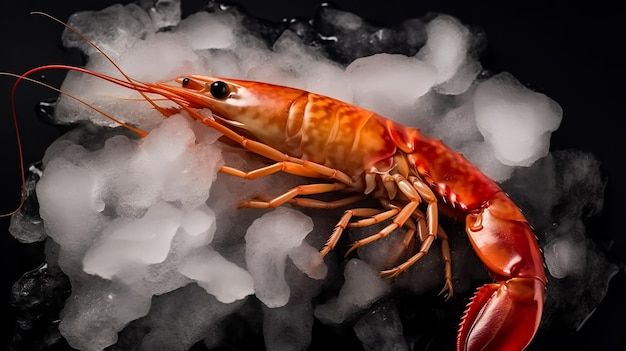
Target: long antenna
(107, 57)
(132, 84)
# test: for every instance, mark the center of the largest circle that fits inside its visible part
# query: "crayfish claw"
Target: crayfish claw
(502, 316)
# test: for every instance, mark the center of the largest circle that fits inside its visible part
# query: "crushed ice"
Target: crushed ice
(137, 222)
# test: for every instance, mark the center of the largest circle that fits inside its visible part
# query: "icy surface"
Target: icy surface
(362, 287)
(288, 327)
(219, 277)
(570, 254)
(141, 242)
(268, 242)
(164, 13)
(380, 329)
(523, 136)
(111, 306)
(114, 29)
(148, 233)
(397, 86)
(197, 314)
(447, 51)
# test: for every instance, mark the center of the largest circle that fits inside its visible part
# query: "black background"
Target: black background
(570, 52)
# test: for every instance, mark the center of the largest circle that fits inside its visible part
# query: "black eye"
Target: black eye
(185, 82)
(219, 89)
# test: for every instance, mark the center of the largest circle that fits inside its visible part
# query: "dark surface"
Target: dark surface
(569, 52)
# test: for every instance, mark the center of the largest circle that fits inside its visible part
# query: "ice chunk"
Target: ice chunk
(302, 67)
(289, 327)
(268, 242)
(131, 243)
(177, 320)
(362, 287)
(113, 29)
(427, 274)
(26, 225)
(382, 253)
(457, 128)
(119, 232)
(346, 20)
(308, 260)
(165, 56)
(447, 51)
(564, 257)
(164, 13)
(68, 198)
(180, 169)
(209, 31)
(36, 299)
(515, 121)
(538, 203)
(389, 84)
(97, 311)
(380, 329)
(200, 221)
(481, 155)
(219, 277)
(347, 37)
(573, 259)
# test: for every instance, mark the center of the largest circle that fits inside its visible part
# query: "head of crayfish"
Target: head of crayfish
(260, 108)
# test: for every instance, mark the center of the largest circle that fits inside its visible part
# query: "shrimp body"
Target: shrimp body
(363, 152)
(305, 125)
(359, 152)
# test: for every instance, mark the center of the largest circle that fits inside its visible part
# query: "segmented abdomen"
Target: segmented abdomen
(336, 134)
(349, 138)
(451, 176)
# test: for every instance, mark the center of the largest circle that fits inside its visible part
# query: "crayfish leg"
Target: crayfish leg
(284, 166)
(307, 189)
(345, 222)
(426, 242)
